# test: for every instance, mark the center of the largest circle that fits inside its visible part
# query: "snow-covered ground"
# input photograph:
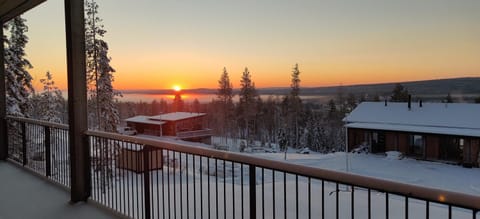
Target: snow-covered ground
(207, 187)
(406, 170)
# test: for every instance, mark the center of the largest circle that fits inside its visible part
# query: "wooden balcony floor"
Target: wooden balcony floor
(23, 195)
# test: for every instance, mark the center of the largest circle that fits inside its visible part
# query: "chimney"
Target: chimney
(385, 102)
(409, 102)
(420, 104)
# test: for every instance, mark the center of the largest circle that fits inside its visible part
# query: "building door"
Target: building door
(378, 142)
(451, 148)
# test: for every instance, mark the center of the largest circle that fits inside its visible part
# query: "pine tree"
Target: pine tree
(102, 105)
(449, 98)
(225, 96)
(18, 80)
(293, 108)
(399, 94)
(50, 101)
(247, 104)
(177, 105)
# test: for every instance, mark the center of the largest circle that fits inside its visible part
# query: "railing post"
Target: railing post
(3, 102)
(77, 101)
(146, 181)
(24, 144)
(252, 178)
(48, 154)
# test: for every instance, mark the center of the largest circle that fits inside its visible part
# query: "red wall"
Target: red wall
(400, 141)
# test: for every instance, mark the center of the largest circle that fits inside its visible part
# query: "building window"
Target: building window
(417, 145)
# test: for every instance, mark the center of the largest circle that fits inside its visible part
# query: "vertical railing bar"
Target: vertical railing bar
(309, 198)
(124, 193)
(24, 144)
(163, 182)
(369, 203)
(201, 188)
(406, 207)
(296, 196)
(130, 180)
(208, 184)
(181, 185)
(427, 210)
(253, 191)
(225, 189)
(168, 185)
(115, 166)
(323, 199)
(216, 188)
(386, 205)
(449, 211)
(174, 186)
(285, 195)
(353, 201)
(263, 192)
(233, 190)
(241, 189)
(337, 207)
(48, 153)
(273, 193)
(186, 174)
(146, 181)
(194, 187)
(157, 166)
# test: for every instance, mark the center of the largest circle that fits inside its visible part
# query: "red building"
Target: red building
(181, 125)
(430, 131)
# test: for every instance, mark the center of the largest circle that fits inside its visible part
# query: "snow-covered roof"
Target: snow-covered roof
(438, 118)
(144, 120)
(176, 116)
(418, 129)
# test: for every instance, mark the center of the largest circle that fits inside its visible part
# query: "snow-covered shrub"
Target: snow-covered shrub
(394, 155)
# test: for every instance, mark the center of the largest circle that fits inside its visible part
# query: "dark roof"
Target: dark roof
(12, 8)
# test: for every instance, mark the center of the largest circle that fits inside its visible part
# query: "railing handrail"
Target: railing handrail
(39, 122)
(420, 192)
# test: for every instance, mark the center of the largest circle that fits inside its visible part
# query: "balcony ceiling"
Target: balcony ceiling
(11, 8)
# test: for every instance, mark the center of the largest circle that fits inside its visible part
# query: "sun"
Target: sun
(177, 88)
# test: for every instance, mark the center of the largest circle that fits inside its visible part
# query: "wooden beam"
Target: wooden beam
(3, 102)
(13, 8)
(77, 100)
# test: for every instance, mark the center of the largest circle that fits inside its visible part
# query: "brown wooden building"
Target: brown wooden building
(429, 131)
(181, 125)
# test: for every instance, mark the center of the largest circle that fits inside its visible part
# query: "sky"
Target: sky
(156, 44)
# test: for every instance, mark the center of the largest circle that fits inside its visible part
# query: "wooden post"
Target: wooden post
(77, 100)
(3, 102)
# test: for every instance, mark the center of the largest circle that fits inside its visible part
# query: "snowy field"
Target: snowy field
(210, 186)
(406, 170)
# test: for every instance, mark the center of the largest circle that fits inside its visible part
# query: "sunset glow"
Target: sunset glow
(334, 42)
(177, 88)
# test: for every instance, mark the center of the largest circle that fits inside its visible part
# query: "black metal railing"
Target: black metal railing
(40, 146)
(164, 179)
(145, 178)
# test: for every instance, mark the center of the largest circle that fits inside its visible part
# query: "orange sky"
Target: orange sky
(157, 44)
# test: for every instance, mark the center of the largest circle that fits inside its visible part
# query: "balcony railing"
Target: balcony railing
(41, 147)
(194, 134)
(143, 178)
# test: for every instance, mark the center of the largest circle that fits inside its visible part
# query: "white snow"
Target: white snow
(176, 116)
(416, 128)
(24, 195)
(205, 189)
(458, 118)
(406, 170)
(144, 120)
